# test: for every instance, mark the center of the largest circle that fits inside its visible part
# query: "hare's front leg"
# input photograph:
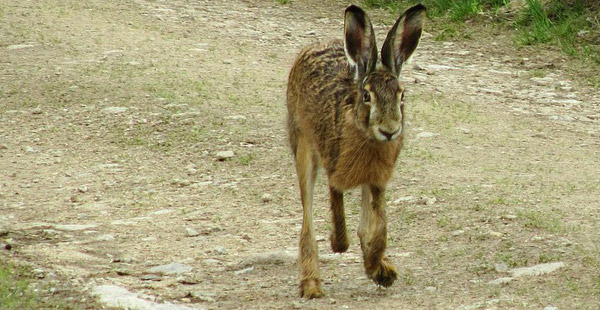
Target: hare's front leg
(372, 232)
(339, 238)
(306, 168)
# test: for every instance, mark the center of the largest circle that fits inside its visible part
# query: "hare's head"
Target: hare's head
(379, 94)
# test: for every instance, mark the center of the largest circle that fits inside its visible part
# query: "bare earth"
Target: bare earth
(112, 114)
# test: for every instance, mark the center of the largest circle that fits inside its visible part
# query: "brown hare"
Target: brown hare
(346, 114)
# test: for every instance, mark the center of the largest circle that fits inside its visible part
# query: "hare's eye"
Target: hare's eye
(366, 96)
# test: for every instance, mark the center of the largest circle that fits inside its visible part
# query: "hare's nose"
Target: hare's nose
(388, 135)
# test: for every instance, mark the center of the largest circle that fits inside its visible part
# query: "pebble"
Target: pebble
(426, 134)
(220, 250)
(30, 149)
(107, 237)
(151, 277)
(117, 297)
(266, 198)
(82, 189)
(190, 232)
(3, 147)
(500, 281)
(270, 258)
(501, 267)
(204, 296)
(115, 110)
(550, 308)
(404, 199)
(243, 271)
(225, 155)
(235, 117)
(542, 81)
(36, 111)
(537, 270)
(19, 46)
(170, 269)
(227, 61)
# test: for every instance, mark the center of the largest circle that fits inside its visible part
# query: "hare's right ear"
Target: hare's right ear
(359, 42)
(403, 38)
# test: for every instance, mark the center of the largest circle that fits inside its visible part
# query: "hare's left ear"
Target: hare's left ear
(403, 38)
(359, 42)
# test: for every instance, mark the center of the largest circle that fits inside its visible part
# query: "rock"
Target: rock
(266, 198)
(235, 117)
(501, 267)
(227, 61)
(225, 155)
(500, 281)
(542, 81)
(204, 296)
(82, 189)
(188, 280)
(171, 269)
(243, 271)
(220, 250)
(550, 308)
(30, 149)
(181, 183)
(426, 134)
(536, 270)
(19, 46)
(118, 297)
(115, 110)
(3, 147)
(430, 288)
(270, 258)
(107, 237)
(190, 232)
(151, 277)
(36, 111)
(457, 233)
(74, 227)
(404, 199)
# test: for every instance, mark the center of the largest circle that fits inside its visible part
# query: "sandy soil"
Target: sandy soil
(113, 115)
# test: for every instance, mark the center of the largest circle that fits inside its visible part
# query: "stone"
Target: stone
(74, 227)
(542, 81)
(171, 269)
(225, 155)
(115, 110)
(243, 271)
(270, 258)
(19, 46)
(30, 149)
(190, 232)
(36, 111)
(537, 270)
(235, 117)
(151, 277)
(501, 281)
(118, 297)
(426, 134)
(266, 198)
(107, 237)
(204, 296)
(220, 250)
(3, 147)
(227, 61)
(404, 199)
(82, 189)
(501, 267)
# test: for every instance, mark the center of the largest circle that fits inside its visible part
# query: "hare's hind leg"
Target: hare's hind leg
(306, 167)
(339, 238)
(372, 232)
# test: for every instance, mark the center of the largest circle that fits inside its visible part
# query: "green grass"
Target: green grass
(13, 289)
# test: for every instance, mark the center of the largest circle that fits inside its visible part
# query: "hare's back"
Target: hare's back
(320, 63)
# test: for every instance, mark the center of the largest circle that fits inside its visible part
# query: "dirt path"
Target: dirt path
(112, 115)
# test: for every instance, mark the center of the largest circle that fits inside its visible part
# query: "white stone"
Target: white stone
(115, 110)
(118, 297)
(537, 270)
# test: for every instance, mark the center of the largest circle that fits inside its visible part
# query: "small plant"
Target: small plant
(282, 2)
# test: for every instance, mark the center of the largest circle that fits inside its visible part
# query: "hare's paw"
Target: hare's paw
(385, 274)
(339, 242)
(311, 288)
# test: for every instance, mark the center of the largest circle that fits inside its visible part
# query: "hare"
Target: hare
(346, 114)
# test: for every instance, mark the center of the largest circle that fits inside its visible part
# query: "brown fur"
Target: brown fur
(345, 115)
